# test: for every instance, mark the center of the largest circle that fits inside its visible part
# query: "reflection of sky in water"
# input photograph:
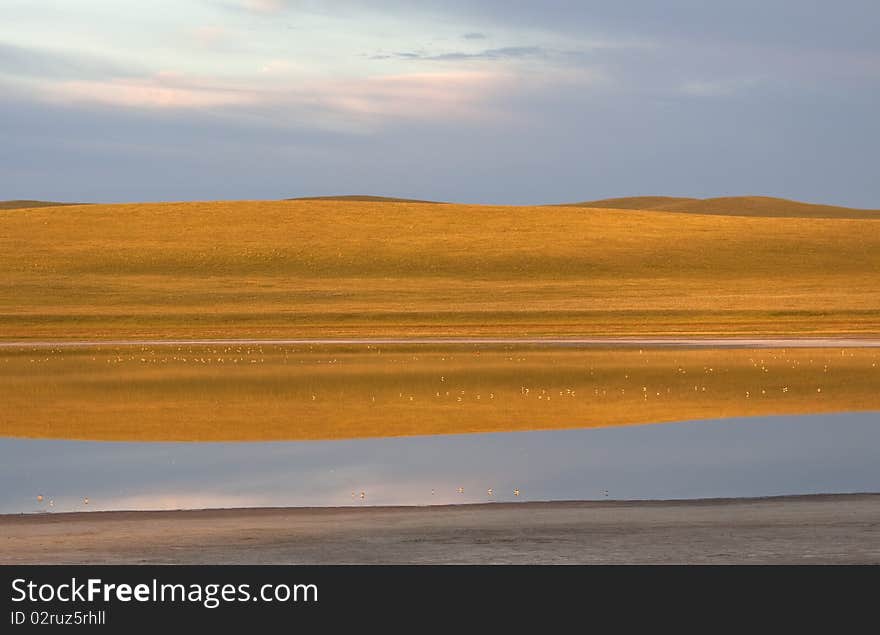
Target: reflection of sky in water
(737, 457)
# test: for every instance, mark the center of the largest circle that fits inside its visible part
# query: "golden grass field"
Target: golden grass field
(326, 268)
(201, 393)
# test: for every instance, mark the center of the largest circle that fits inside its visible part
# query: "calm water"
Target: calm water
(735, 457)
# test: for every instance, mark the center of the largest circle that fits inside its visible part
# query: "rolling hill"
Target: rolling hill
(731, 205)
(327, 268)
(26, 204)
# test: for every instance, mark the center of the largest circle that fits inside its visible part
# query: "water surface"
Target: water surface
(289, 392)
(757, 456)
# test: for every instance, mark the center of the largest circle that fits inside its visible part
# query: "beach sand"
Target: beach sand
(794, 529)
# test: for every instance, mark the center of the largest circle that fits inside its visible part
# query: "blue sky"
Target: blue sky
(474, 101)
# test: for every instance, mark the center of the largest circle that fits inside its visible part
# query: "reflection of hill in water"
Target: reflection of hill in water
(326, 392)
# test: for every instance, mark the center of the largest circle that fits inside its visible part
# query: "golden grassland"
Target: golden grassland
(222, 393)
(325, 268)
(733, 205)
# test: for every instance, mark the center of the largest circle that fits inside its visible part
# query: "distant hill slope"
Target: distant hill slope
(360, 197)
(635, 202)
(731, 205)
(22, 204)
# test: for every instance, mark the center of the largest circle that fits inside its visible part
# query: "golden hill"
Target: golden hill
(322, 268)
(732, 205)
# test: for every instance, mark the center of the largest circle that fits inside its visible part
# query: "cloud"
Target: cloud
(164, 90)
(209, 36)
(509, 52)
(506, 53)
(415, 95)
(283, 97)
(280, 67)
(847, 24)
(264, 6)
(474, 36)
(34, 62)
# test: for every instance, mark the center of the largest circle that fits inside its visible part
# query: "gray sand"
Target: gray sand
(795, 529)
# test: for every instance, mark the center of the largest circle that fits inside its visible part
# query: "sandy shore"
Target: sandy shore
(799, 529)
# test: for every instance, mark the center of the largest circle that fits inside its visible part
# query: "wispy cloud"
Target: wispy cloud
(355, 104)
(164, 90)
(33, 63)
(415, 95)
(474, 36)
(505, 53)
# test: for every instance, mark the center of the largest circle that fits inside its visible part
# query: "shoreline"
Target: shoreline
(812, 528)
(617, 502)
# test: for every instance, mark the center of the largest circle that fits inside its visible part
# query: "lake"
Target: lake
(751, 456)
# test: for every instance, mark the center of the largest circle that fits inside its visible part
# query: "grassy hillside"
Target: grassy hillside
(327, 268)
(734, 205)
(23, 204)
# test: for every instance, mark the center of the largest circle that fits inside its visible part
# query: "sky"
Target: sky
(480, 101)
